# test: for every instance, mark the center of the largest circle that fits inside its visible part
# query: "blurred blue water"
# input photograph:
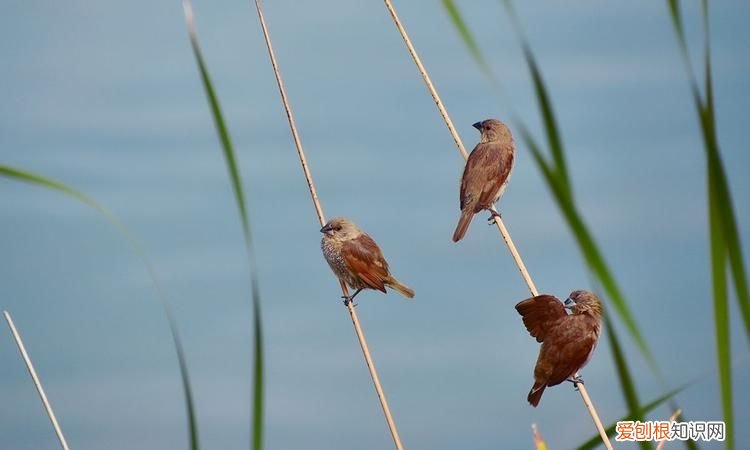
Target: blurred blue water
(105, 96)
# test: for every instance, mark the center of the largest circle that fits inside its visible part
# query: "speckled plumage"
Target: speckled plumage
(356, 259)
(332, 253)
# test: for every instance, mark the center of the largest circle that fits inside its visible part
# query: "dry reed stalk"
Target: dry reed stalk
(674, 416)
(539, 443)
(321, 218)
(498, 221)
(35, 379)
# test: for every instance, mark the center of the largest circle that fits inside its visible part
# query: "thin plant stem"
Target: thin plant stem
(671, 419)
(37, 382)
(321, 218)
(594, 415)
(539, 443)
(498, 221)
(459, 143)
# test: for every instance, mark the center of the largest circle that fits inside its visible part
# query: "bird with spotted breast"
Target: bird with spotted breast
(486, 173)
(568, 340)
(356, 259)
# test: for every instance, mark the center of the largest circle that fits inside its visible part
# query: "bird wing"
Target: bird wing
(365, 260)
(484, 175)
(540, 313)
(568, 347)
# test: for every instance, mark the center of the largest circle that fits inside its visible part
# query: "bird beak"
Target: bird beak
(326, 228)
(478, 126)
(570, 304)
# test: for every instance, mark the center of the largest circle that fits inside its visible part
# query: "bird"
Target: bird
(356, 259)
(568, 340)
(486, 173)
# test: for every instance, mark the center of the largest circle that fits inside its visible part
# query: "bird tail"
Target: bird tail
(535, 394)
(403, 289)
(463, 224)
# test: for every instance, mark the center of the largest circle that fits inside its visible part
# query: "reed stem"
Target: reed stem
(498, 221)
(321, 218)
(37, 382)
(676, 414)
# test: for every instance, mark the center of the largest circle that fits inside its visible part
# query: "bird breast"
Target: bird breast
(332, 253)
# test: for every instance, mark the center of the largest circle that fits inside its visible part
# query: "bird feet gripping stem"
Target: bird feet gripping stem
(494, 215)
(576, 380)
(349, 299)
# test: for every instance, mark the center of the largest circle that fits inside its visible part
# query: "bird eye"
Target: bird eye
(337, 228)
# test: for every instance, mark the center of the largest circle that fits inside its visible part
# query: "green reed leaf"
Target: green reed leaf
(623, 374)
(49, 183)
(467, 37)
(257, 402)
(596, 441)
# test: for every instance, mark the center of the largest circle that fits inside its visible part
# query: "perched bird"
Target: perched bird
(486, 173)
(568, 340)
(356, 259)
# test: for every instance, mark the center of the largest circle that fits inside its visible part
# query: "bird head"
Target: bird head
(492, 130)
(340, 229)
(584, 302)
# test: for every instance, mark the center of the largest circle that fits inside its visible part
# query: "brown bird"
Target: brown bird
(356, 259)
(568, 340)
(486, 173)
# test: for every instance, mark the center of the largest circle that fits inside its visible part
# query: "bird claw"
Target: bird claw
(494, 215)
(349, 299)
(576, 380)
